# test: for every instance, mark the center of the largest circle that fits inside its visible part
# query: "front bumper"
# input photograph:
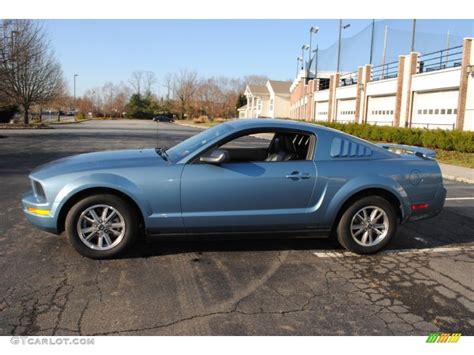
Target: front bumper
(44, 222)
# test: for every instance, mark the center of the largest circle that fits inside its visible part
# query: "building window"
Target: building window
(437, 111)
(450, 111)
(259, 104)
(443, 111)
(431, 111)
(271, 104)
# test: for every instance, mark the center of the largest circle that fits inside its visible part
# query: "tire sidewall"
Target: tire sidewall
(344, 233)
(115, 201)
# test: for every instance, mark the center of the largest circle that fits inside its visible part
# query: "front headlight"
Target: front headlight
(38, 190)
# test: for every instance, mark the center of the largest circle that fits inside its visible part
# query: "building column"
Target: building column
(366, 77)
(359, 92)
(410, 67)
(465, 115)
(333, 84)
(399, 92)
(310, 99)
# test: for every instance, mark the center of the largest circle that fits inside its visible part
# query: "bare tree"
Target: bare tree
(29, 72)
(186, 86)
(136, 81)
(255, 79)
(168, 84)
(149, 79)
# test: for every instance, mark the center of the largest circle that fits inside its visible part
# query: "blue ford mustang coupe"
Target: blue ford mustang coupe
(244, 176)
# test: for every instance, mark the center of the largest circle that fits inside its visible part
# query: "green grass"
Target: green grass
(455, 158)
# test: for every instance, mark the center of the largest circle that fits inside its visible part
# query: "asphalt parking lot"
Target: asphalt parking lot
(423, 283)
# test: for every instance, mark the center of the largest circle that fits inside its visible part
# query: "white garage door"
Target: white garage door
(346, 110)
(380, 110)
(435, 110)
(321, 110)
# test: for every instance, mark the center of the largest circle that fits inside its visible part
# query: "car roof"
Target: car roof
(274, 123)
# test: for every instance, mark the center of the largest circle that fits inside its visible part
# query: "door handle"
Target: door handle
(296, 175)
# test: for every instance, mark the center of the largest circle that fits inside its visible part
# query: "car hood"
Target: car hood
(99, 161)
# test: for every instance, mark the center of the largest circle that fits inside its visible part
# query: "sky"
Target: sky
(110, 50)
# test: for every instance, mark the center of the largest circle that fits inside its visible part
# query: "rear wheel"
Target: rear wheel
(101, 226)
(367, 225)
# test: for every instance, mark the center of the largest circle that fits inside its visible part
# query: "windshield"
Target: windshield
(188, 146)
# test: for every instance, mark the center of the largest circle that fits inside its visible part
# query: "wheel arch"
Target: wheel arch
(390, 196)
(79, 195)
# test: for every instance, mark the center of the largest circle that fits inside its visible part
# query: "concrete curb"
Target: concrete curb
(458, 179)
(190, 125)
(445, 176)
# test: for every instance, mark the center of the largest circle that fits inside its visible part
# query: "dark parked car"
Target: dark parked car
(163, 119)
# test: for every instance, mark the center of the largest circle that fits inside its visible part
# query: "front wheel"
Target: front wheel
(101, 226)
(367, 225)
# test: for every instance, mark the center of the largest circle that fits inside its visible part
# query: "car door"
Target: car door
(247, 196)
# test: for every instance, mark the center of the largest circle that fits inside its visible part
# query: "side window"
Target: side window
(250, 141)
(269, 146)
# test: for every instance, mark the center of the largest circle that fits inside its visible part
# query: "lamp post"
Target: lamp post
(298, 64)
(413, 35)
(341, 27)
(372, 42)
(311, 31)
(75, 75)
(316, 53)
(13, 34)
(304, 47)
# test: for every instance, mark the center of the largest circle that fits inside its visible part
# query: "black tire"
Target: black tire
(344, 235)
(128, 214)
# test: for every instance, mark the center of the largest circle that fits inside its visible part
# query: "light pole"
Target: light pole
(372, 42)
(311, 31)
(316, 53)
(341, 27)
(413, 35)
(75, 75)
(13, 34)
(304, 47)
(298, 65)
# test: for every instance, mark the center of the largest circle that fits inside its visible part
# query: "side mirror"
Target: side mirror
(217, 156)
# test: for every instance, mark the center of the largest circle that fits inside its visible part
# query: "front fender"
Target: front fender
(360, 183)
(102, 180)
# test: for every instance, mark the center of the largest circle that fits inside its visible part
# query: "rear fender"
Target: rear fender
(360, 183)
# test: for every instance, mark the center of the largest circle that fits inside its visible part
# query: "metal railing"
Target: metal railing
(385, 71)
(435, 125)
(443, 59)
(349, 79)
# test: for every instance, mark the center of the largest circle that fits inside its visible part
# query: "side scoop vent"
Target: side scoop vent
(344, 148)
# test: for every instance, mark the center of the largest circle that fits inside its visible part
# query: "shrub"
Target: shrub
(80, 116)
(7, 113)
(436, 139)
(201, 119)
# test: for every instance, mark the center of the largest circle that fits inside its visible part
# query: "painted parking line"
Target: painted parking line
(341, 254)
(459, 198)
